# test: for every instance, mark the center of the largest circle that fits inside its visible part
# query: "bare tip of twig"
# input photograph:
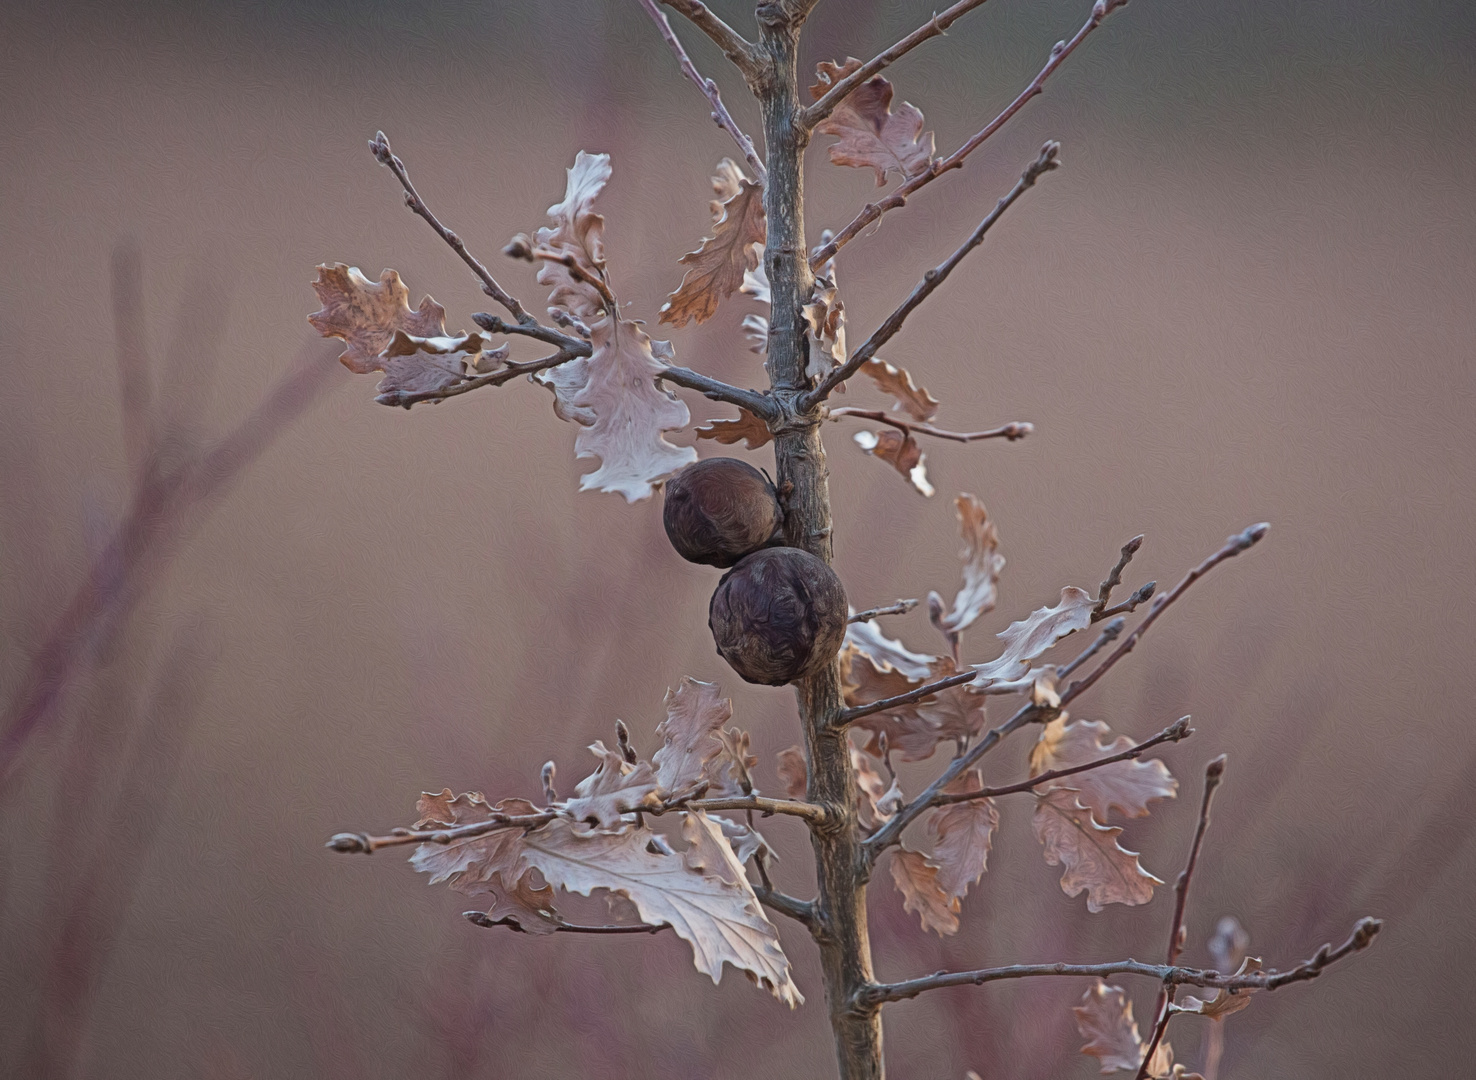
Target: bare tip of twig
(379, 146)
(1180, 729)
(1216, 769)
(349, 843)
(1018, 430)
(1366, 930)
(1254, 535)
(1131, 547)
(1050, 158)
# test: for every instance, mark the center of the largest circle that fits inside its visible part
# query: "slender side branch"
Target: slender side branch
(869, 213)
(480, 918)
(1114, 576)
(1173, 733)
(406, 399)
(1045, 162)
(380, 147)
(1108, 635)
(802, 911)
(720, 114)
(934, 27)
(927, 690)
(496, 324)
(1017, 429)
(901, 607)
(760, 404)
(738, 49)
(1362, 936)
(810, 812)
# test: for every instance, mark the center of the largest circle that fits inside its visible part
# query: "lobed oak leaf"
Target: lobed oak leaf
(564, 381)
(871, 135)
(903, 728)
(1224, 1003)
(825, 315)
(366, 314)
(916, 878)
(717, 268)
(828, 73)
(745, 840)
(982, 564)
(912, 399)
(614, 789)
(695, 712)
(756, 282)
(524, 905)
(793, 772)
(962, 834)
(701, 893)
(731, 771)
(1027, 638)
(727, 181)
(955, 713)
(1127, 785)
(579, 234)
(748, 428)
(1105, 1020)
(477, 864)
(877, 803)
(1094, 861)
(902, 452)
(886, 653)
(756, 330)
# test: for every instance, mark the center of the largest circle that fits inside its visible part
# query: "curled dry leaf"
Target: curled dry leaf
(1029, 637)
(717, 268)
(695, 713)
(701, 893)
(747, 428)
(616, 787)
(877, 803)
(962, 834)
(734, 765)
(902, 452)
(1127, 785)
(1094, 861)
(954, 713)
(1105, 1020)
(825, 315)
(578, 234)
(745, 840)
(793, 773)
(982, 564)
(756, 282)
(418, 365)
(916, 879)
(756, 330)
(365, 314)
(871, 135)
(912, 399)
(1224, 1003)
(887, 653)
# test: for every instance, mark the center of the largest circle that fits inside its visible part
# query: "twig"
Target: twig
(578, 273)
(1173, 733)
(1362, 936)
(720, 113)
(480, 918)
(800, 910)
(496, 324)
(406, 398)
(1114, 577)
(1108, 636)
(1012, 431)
(1213, 773)
(926, 690)
(1142, 593)
(810, 812)
(869, 213)
(379, 146)
(1045, 162)
(735, 46)
(901, 607)
(760, 404)
(934, 27)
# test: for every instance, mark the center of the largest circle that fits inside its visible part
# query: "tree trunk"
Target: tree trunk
(845, 945)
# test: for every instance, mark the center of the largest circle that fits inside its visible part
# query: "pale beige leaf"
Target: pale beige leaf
(870, 134)
(745, 840)
(564, 382)
(729, 773)
(695, 712)
(414, 365)
(577, 232)
(982, 564)
(1094, 861)
(727, 181)
(1224, 1003)
(900, 451)
(955, 713)
(747, 428)
(474, 865)
(702, 893)
(1105, 1020)
(616, 787)
(1027, 638)
(793, 772)
(756, 330)
(915, 401)
(916, 879)
(877, 802)
(1127, 785)
(906, 731)
(756, 281)
(716, 269)
(887, 653)
(825, 315)
(530, 909)
(366, 314)
(962, 834)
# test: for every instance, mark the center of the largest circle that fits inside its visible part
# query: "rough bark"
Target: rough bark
(845, 945)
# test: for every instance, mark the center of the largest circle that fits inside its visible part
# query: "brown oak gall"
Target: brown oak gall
(719, 510)
(777, 616)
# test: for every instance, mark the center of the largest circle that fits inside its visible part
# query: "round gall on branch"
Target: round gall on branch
(719, 510)
(779, 615)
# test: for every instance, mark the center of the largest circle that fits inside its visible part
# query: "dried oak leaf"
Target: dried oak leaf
(579, 234)
(716, 269)
(695, 713)
(1027, 638)
(756, 330)
(418, 365)
(616, 787)
(886, 653)
(870, 134)
(825, 315)
(877, 803)
(906, 731)
(982, 564)
(793, 773)
(962, 834)
(1105, 1020)
(1224, 1003)
(912, 399)
(745, 840)
(366, 314)
(1128, 785)
(701, 893)
(1095, 863)
(747, 428)
(955, 713)
(731, 771)
(916, 879)
(902, 452)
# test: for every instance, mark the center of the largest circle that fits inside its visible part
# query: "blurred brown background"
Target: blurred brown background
(1248, 296)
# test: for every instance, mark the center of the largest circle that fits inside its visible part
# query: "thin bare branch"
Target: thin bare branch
(1114, 577)
(379, 146)
(1362, 936)
(738, 49)
(1173, 733)
(810, 812)
(1108, 635)
(496, 324)
(926, 690)
(934, 27)
(405, 399)
(720, 114)
(480, 918)
(802, 911)
(901, 607)
(1142, 593)
(1015, 430)
(1046, 161)
(760, 404)
(872, 211)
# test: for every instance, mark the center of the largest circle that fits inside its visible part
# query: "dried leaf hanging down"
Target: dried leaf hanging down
(756, 281)
(912, 399)
(901, 452)
(982, 564)
(756, 330)
(1224, 1003)
(695, 713)
(1095, 863)
(616, 787)
(1029, 637)
(962, 834)
(747, 428)
(716, 269)
(731, 772)
(887, 653)
(1127, 785)
(877, 803)
(701, 893)
(366, 314)
(745, 840)
(793, 773)
(955, 713)
(415, 365)
(916, 879)
(1105, 1020)
(871, 135)
(825, 315)
(578, 234)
